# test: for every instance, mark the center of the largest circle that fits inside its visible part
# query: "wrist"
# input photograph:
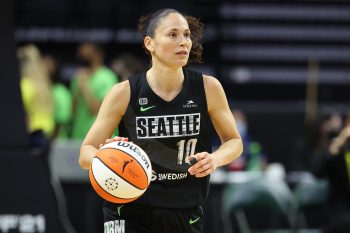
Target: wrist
(215, 160)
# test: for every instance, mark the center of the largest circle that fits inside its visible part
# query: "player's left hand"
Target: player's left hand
(204, 166)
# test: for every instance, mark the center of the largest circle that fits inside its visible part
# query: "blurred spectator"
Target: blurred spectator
(62, 98)
(126, 65)
(308, 150)
(332, 161)
(252, 158)
(36, 92)
(339, 150)
(329, 127)
(91, 83)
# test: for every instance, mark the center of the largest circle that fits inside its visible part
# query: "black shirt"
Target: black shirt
(169, 132)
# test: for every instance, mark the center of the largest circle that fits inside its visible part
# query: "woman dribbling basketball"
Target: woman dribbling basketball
(166, 110)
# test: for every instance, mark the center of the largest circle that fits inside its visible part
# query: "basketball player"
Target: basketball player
(167, 110)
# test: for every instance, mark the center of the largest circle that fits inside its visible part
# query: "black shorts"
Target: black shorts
(132, 218)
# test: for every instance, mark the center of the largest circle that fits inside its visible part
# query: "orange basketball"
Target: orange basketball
(120, 172)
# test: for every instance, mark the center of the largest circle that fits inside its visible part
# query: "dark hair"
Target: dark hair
(98, 47)
(148, 24)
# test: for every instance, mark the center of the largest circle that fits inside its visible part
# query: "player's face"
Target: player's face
(172, 42)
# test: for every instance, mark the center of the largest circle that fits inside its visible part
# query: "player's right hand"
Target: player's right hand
(116, 138)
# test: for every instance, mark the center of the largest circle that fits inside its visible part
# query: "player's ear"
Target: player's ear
(148, 44)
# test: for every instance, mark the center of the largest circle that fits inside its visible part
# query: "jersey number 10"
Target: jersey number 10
(186, 148)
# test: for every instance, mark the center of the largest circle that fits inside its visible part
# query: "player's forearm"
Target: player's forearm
(228, 151)
(87, 152)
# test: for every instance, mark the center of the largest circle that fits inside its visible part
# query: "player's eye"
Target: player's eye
(172, 34)
(187, 34)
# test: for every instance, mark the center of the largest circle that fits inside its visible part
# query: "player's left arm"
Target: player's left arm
(225, 125)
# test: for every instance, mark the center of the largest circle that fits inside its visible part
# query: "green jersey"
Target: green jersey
(100, 82)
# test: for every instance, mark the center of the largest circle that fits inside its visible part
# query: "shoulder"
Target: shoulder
(214, 92)
(211, 84)
(117, 99)
(121, 90)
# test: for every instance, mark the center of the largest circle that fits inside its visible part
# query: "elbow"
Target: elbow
(239, 149)
(83, 162)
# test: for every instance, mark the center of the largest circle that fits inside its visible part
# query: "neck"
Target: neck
(165, 79)
(165, 82)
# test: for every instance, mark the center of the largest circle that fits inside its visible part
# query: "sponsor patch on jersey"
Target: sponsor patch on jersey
(168, 126)
(169, 176)
(143, 101)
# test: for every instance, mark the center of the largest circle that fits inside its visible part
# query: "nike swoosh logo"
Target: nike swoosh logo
(194, 221)
(142, 109)
(119, 208)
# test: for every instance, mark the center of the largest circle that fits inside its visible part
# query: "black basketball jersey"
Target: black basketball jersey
(169, 132)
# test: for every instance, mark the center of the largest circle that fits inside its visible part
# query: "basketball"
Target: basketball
(120, 172)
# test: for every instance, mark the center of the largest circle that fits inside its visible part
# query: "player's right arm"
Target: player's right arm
(109, 116)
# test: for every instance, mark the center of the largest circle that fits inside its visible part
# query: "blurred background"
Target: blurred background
(285, 68)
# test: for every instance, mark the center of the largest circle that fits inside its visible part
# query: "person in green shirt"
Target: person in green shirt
(89, 86)
(61, 97)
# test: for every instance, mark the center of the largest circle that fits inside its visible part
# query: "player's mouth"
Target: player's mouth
(182, 52)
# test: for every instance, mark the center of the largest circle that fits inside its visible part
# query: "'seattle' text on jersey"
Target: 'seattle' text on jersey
(168, 126)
